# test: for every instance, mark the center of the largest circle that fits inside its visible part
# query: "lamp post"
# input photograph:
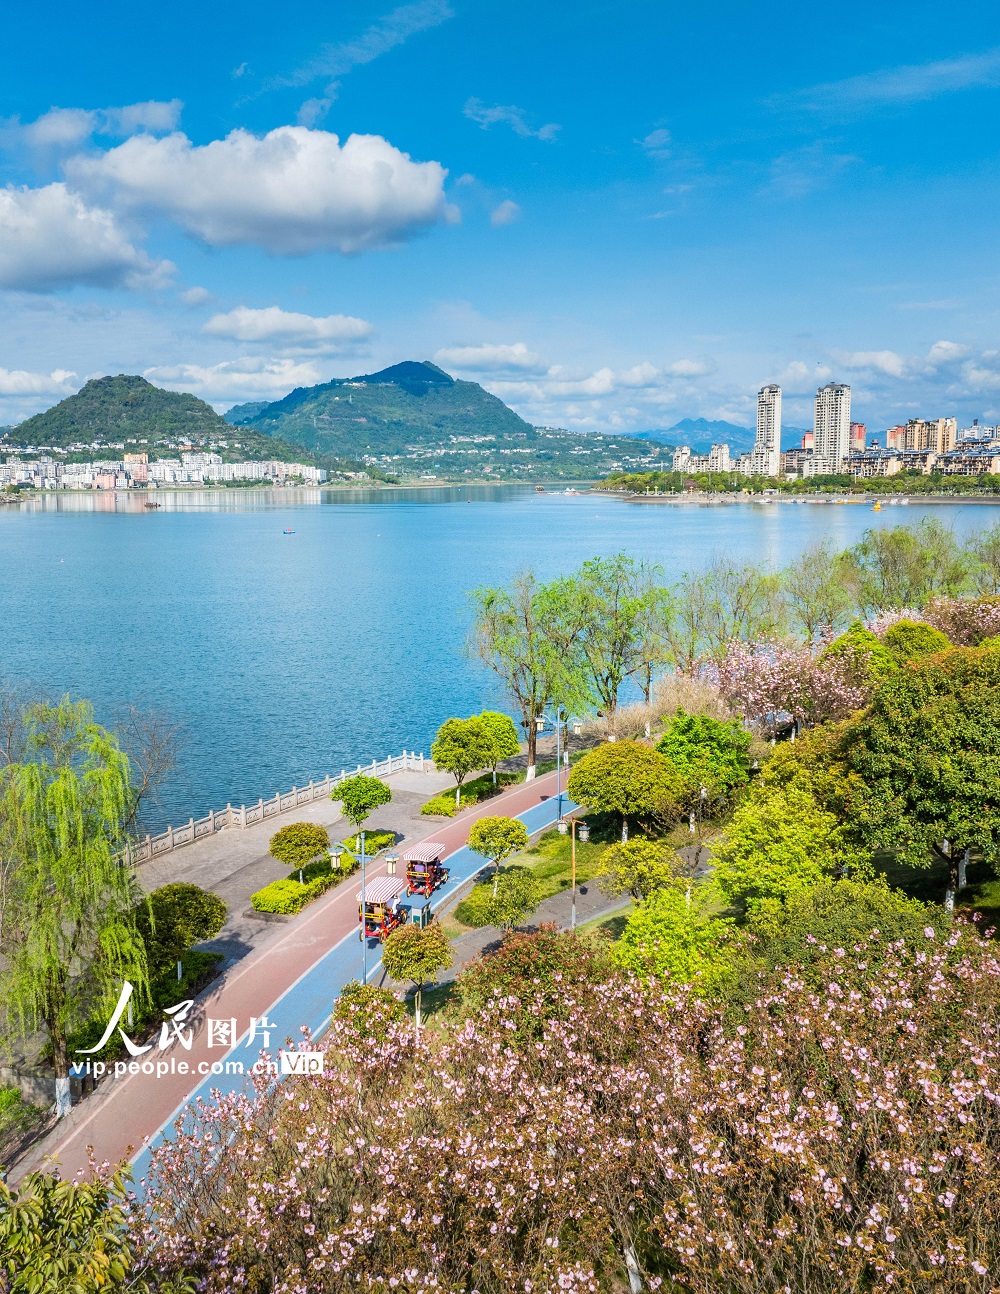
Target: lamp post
(559, 721)
(584, 837)
(337, 851)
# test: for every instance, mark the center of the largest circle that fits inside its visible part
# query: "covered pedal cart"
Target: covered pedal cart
(380, 910)
(425, 870)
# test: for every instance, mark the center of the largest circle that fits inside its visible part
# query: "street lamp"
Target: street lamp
(560, 720)
(337, 851)
(584, 837)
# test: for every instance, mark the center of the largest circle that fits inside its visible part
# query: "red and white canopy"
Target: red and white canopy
(382, 889)
(428, 852)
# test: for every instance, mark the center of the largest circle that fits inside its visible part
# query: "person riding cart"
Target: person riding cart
(380, 912)
(425, 869)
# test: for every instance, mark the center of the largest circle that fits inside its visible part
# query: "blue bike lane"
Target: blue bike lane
(308, 1002)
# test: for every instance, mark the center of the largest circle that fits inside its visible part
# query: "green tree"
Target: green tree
(529, 636)
(413, 955)
(617, 596)
(741, 601)
(905, 566)
(927, 759)
(706, 751)
(359, 797)
(908, 640)
(628, 779)
(674, 935)
(516, 895)
(70, 937)
(779, 841)
(639, 868)
(815, 594)
(503, 735)
(498, 839)
(173, 918)
(299, 843)
(984, 546)
(460, 747)
(59, 1237)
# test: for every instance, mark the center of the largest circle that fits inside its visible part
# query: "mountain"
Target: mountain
(702, 433)
(115, 410)
(385, 413)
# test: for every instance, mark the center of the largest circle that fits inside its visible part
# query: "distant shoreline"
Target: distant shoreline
(857, 500)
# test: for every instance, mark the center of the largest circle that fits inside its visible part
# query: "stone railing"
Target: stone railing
(249, 814)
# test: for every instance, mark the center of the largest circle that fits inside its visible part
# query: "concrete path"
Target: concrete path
(234, 863)
(291, 980)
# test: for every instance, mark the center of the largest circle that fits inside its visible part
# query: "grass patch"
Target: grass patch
(608, 927)
(17, 1116)
(474, 792)
(439, 1005)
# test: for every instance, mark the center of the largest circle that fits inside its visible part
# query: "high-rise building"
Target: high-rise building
(765, 460)
(832, 428)
(937, 434)
(858, 434)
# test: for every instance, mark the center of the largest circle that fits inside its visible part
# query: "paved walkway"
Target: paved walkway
(291, 980)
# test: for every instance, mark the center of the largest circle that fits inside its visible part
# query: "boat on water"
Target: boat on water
(286, 531)
(152, 505)
(877, 506)
(539, 489)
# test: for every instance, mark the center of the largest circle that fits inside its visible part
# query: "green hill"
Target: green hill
(131, 412)
(409, 404)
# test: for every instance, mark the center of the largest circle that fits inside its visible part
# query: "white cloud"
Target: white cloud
(807, 170)
(878, 361)
(508, 115)
(195, 296)
(657, 143)
(19, 382)
(240, 379)
(490, 358)
(644, 374)
(291, 192)
(50, 238)
(380, 38)
(65, 128)
(946, 352)
(301, 331)
(688, 368)
(505, 214)
(907, 84)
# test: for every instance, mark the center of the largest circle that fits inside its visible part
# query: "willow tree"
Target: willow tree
(529, 635)
(69, 937)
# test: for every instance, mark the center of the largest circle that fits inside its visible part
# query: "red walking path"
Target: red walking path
(129, 1109)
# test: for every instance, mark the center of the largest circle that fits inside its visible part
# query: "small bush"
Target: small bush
(16, 1115)
(374, 841)
(474, 792)
(299, 843)
(909, 640)
(369, 1011)
(175, 917)
(285, 897)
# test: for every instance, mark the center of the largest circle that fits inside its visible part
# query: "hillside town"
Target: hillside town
(836, 445)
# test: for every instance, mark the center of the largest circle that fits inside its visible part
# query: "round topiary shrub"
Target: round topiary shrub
(299, 843)
(175, 917)
(909, 640)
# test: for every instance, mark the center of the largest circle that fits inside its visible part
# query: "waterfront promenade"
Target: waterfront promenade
(292, 979)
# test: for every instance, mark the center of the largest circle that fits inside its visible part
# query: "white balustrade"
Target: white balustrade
(246, 816)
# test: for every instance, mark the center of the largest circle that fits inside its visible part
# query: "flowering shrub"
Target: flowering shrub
(841, 1135)
(763, 680)
(966, 622)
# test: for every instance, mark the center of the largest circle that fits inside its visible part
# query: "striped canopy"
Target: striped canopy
(383, 889)
(428, 852)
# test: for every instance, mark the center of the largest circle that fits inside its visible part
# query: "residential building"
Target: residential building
(765, 458)
(935, 434)
(832, 428)
(866, 463)
(859, 433)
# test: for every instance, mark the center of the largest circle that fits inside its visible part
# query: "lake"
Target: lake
(287, 656)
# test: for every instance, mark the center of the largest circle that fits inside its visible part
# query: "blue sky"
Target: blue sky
(613, 215)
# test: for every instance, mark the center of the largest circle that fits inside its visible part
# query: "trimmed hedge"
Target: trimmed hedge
(299, 843)
(374, 841)
(474, 792)
(287, 896)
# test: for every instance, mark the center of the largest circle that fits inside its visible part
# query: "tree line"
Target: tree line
(582, 640)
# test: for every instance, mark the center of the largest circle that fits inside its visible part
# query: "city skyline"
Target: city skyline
(271, 207)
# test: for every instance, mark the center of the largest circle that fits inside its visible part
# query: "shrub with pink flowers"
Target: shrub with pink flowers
(839, 1134)
(763, 680)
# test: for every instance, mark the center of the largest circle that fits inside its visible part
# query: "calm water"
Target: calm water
(287, 656)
